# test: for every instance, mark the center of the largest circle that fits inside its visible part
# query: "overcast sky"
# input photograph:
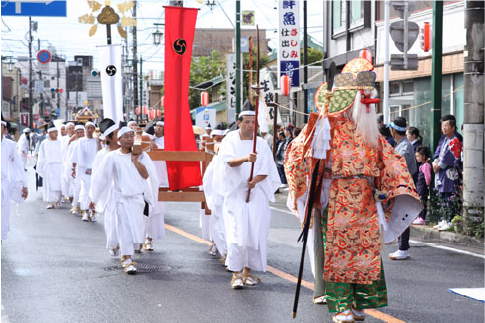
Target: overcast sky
(70, 37)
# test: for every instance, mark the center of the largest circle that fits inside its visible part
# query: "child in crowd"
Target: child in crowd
(423, 182)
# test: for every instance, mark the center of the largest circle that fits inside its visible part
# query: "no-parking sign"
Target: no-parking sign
(44, 56)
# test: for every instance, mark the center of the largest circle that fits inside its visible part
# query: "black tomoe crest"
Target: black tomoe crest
(180, 46)
(111, 70)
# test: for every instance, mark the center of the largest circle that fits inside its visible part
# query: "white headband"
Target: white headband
(110, 130)
(247, 113)
(69, 124)
(217, 132)
(160, 123)
(4, 123)
(52, 129)
(79, 127)
(90, 123)
(131, 123)
(124, 130)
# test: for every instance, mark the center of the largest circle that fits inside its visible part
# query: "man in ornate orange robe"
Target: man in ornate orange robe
(360, 166)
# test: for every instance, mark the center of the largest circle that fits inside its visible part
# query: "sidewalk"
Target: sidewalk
(427, 234)
(418, 232)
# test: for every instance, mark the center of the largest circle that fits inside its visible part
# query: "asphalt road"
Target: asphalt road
(55, 268)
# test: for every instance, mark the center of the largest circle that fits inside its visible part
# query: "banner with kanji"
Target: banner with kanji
(179, 135)
(289, 40)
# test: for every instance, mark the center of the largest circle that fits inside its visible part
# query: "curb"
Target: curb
(427, 234)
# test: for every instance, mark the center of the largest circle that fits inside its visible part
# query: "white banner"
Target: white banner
(231, 86)
(111, 81)
(263, 114)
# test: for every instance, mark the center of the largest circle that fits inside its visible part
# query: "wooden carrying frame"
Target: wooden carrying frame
(189, 194)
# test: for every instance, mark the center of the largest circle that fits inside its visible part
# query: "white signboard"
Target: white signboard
(231, 86)
(39, 87)
(205, 116)
(289, 40)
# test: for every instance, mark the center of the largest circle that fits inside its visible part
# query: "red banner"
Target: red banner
(179, 136)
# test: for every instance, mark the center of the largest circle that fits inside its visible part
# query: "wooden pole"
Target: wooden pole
(255, 134)
(275, 123)
(250, 92)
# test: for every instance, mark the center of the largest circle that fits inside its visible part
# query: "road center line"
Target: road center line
(379, 315)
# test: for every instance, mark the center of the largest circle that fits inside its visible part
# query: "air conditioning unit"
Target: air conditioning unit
(79, 61)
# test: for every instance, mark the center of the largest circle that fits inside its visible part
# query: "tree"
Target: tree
(202, 69)
(313, 55)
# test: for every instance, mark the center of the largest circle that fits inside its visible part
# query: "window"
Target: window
(407, 87)
(338, 16)
(394, 88)
(356, 13)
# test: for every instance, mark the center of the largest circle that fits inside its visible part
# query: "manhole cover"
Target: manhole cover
(141, 268)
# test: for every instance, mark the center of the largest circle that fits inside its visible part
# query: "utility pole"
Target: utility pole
(141, 88)
(58, 93)
(385, 107)
(135, 65)
(473, 119)
(305, 62)
(31, 115)
(436, 73)
(238, 58)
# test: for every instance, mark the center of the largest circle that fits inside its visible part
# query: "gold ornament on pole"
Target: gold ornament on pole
(108, 17)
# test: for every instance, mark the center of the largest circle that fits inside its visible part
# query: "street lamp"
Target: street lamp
(157, 35)
(210, 4)
(10, 64)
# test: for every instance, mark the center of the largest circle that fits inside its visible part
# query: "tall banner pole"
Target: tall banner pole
(179, 135)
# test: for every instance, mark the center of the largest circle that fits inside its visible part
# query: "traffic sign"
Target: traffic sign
(44, 56)
(397, 34)
(35, 8)
(401, 10)
(397, 62)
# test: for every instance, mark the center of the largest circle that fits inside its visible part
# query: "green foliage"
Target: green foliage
(313, 55)
(202, 69)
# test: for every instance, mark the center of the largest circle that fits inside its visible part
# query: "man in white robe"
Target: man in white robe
(109, 132)
(49, 162)
(82, 162)
(66, 169)
(74, 186)
(14, 179)
(23, 146)
(155, 223)
(126, 174)
(246, 223)
(215, 200)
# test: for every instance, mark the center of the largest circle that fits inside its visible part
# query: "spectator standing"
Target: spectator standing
(405, 149)
(423, 182)
(414, 137)
(384, 131)
(445, 167)
(416, 140)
